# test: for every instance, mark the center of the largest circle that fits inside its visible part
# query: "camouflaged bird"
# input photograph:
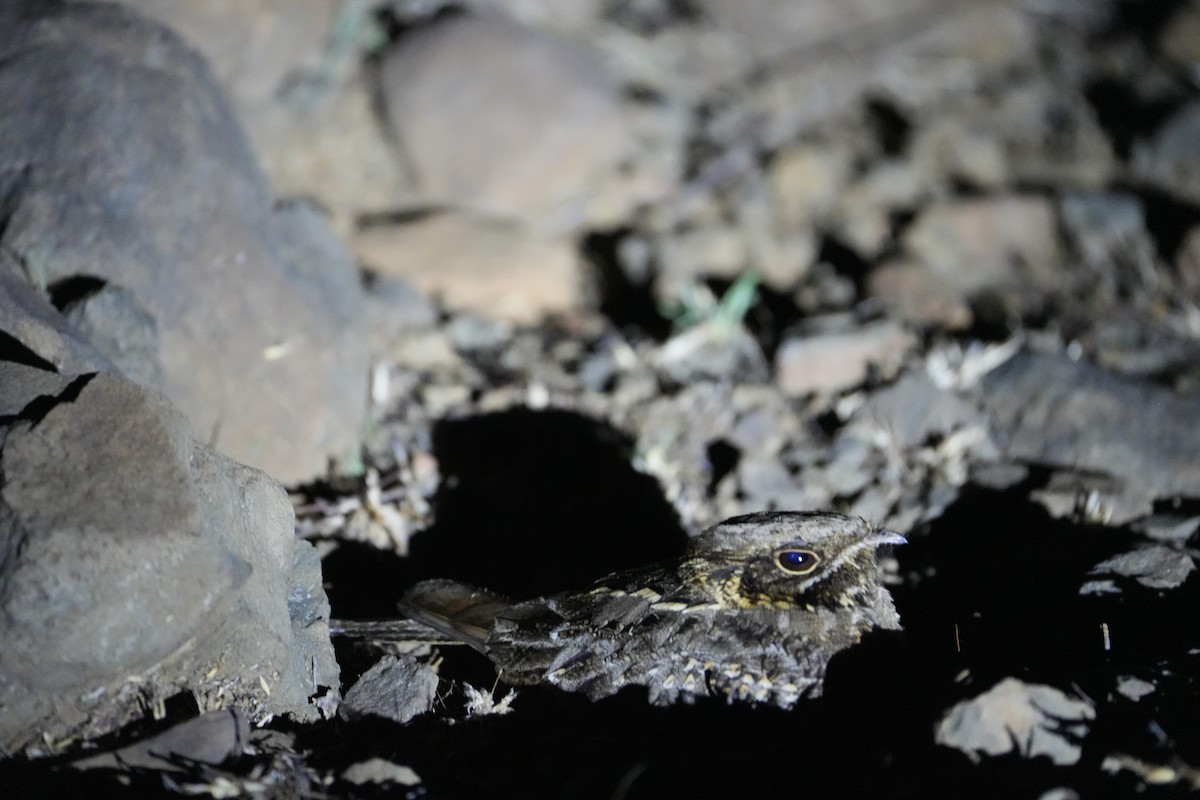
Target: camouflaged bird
(753, 610)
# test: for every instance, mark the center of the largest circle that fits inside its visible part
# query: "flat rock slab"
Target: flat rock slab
(123, 170)
(208, 739)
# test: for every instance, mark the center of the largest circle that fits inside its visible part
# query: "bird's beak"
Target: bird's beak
(885, 536)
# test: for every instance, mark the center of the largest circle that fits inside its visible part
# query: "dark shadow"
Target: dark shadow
(12, 349)
(76, 288)
(892, 128)
(364, 582)
(1126, 116)
(538, 502)
(629, 304)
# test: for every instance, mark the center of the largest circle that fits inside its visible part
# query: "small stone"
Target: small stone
(1171, 159)
(832, 362)
(716, 349)
(1099, 587)
(1059, 793)
(712, 250)
(1108, 230)
(395, 308)
(989, 243)
(913, 293)
(1187, 263)
(1032, 719)
(1168, 528)
(472, 332)
(1134, 688)
(440, 399)
(806, 181)
(379, 770)
(497, 269)
(396, 688)
(1154, 566)
(425, 350)
(956, 148)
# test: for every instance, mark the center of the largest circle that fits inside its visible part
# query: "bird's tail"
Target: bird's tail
(404, 631)
(455, 610)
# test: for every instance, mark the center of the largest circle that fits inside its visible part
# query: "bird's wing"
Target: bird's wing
(462, 612)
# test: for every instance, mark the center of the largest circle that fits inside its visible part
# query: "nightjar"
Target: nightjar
(753, 610)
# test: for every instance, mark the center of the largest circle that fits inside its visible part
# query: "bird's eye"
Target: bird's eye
(796, 561)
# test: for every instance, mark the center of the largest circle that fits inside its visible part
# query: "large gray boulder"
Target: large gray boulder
(135, 562)
(131, 198)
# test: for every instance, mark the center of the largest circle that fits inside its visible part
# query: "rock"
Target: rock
(474, 264)
(955, 149)
(153, 190)
(834, 362)
(209, 738)
(1187, 263)
(148, 565)
(949, 50)
(1134, 344)
(1134, 688)
(1041, 133)
(473, 332)
(1154, 566)
(1108, 231)
(1095, 497)
(119, 327)
(1007, 242)
(378, 770)
(1032, 719)
(806, 181)
(46, 342)
(1168, 528)
(396, 688)
(914, 410)
(502, 119)
(21, 384)
(915, 294)
(688, 256)
(715, 348)
(332, 149)
(396, 307)
(770, 483)
(1072, 415)
(1170, 160)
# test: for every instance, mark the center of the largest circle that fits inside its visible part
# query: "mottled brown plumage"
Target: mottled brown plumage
(753, 610)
